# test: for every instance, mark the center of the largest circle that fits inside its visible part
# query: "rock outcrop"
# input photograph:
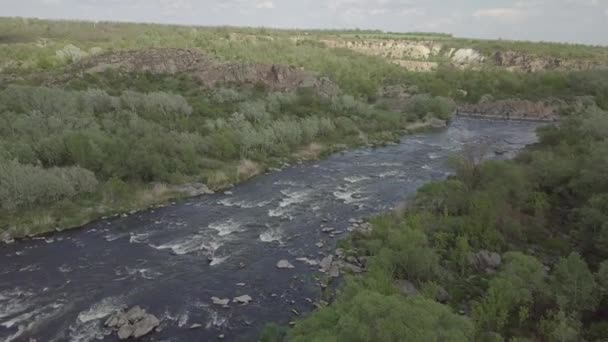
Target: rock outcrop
(426, 55)
(485, 261)
(522, 62)
(206, 69)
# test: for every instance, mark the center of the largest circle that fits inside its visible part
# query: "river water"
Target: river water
(172, 260)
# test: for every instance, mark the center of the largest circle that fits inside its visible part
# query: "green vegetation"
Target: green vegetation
(110, 143)
(545, 213)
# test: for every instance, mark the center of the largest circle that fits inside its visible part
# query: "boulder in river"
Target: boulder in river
(309, 262)
(135, 322)
(244, 299)
(283, 264)
(325, 264)
(220, 301)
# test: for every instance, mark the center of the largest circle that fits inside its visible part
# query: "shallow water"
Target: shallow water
(172, 260)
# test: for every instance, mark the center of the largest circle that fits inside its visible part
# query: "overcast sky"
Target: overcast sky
(581, 21)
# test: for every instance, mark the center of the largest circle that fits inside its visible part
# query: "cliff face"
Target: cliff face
(517, 61)
(428, 55)
(206, 69)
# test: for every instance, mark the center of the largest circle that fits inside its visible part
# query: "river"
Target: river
(172, 260)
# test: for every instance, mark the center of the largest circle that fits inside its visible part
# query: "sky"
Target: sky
(575, 21)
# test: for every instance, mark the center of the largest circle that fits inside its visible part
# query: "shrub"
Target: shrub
(424, 104)
(370, 316)
(26, 185)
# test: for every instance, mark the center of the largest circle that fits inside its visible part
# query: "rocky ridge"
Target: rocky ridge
(206, 69)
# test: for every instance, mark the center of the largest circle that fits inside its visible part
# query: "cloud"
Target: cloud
(584, 21)
(265, 4)
(504, 13)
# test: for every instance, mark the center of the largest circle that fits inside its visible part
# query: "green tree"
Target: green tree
(573, 284)
(370, 316)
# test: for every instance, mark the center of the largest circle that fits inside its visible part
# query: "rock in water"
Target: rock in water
(145, 326)
(133, 323)
(284, 264)
(126, 331)
(325, 264)
(244, 299)
(135, 314)
(220, 301)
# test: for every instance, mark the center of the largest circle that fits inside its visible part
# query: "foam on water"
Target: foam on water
(29, 320)
(101, 309)
(294, 197)
(273, 234)
(215, 319)
(231, 202)
(356, 179)
(218, 260)
(14, 301)
(227, 227)
(279, 212)
(185, 245)
(393, 173)
(346, 195)
(113, 237)
(139, 238)
(86, 332)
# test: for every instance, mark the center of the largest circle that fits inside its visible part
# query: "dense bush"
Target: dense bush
(139, 129)
(27, 185)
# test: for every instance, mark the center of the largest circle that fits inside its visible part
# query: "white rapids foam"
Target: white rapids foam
(86, 332)
(215, 319)
(231, 202)
(29, 320)
(227, 227)
(13, 302)
(273, 234)
(356, 179)
(294, 197)
(347, 195)
(139, 238)
(101, 309)
(189, 244)
(393, 173)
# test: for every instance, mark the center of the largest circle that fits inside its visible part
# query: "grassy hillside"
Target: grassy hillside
(69, 134)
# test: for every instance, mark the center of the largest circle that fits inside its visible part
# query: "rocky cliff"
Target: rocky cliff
(428, 55)
(517, 61)
(209, 70)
